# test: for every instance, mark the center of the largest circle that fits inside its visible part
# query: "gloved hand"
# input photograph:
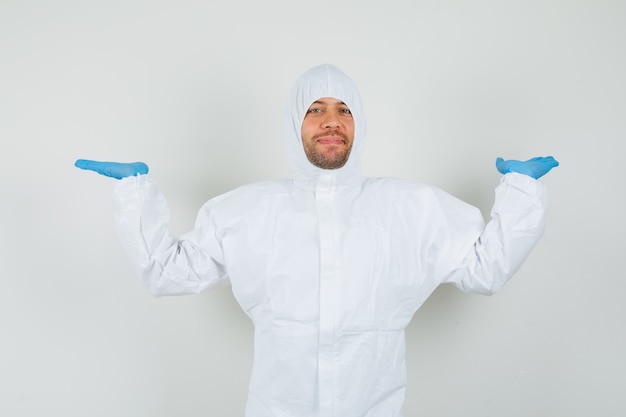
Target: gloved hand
(535, 167)
(117, 170)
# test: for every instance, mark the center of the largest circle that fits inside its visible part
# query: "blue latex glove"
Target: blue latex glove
(117, 170)
(535, 167)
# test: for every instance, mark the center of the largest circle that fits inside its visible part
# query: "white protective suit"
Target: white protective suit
(330, 266)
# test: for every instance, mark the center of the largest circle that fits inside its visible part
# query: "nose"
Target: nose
(331, 121)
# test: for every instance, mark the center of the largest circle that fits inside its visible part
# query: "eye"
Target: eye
(315, 110)
(346, 111)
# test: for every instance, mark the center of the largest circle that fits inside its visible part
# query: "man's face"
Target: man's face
(328, 133)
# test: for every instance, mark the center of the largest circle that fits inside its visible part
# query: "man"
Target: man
(329, 265)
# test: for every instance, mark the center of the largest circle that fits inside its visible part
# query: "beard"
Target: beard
(327, 158)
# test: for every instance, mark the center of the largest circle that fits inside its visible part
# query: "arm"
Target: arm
(516, 225)
(168, 265)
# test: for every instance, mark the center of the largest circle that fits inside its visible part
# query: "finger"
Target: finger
(88, 164)
(501, 165)
(552, 161)
(140, 168)
(548, 161)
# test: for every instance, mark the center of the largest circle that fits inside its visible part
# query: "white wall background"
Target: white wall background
(195, 88)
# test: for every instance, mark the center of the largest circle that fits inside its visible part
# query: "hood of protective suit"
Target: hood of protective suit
(318, 82)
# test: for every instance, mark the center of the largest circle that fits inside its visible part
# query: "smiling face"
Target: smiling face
(328, 133)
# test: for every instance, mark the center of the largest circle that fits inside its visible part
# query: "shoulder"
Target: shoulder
(240, 203)
(247, 195)
(402, 195)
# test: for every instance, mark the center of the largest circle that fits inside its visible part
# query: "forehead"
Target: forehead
(328, 101)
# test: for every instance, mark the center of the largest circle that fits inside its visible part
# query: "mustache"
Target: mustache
(341, 135)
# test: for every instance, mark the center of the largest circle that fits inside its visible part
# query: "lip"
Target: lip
(331, 140)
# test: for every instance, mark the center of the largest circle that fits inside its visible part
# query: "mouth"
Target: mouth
(330, 139)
